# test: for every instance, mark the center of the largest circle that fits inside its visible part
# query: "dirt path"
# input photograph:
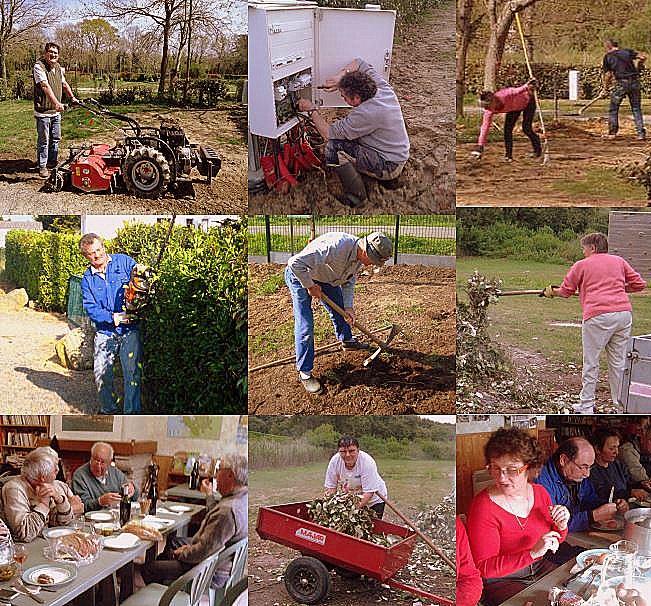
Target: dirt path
(577, 154)
(21, 188)
(422, 380)
(540, 385)
(32, 379)
(422, 75)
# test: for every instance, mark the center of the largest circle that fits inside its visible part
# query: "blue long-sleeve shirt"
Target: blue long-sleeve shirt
(104, 296)
(559, 492)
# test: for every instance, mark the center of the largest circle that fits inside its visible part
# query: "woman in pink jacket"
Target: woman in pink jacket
(512, 102)
(603, 282)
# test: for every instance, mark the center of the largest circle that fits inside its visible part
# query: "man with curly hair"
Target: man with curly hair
(371, 139)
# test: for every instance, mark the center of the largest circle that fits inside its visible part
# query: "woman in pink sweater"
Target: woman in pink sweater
(603, 282)
(513, 524)
(512, 102)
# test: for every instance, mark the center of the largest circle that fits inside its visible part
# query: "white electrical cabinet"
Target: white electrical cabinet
(293, 48)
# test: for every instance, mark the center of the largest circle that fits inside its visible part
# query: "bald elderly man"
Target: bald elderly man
(565, 476)
(98, 483)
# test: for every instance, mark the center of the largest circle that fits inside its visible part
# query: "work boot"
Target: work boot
(353, 344)
(43, 172)
(389, 183)
(312, 385)
(351, 181)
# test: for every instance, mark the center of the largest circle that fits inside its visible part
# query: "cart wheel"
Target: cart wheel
(307, 580)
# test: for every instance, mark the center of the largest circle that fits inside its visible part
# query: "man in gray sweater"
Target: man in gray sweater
(329, 264)
(98, 483)
(372, 138)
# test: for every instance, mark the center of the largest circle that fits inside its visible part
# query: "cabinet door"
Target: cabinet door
(636, 386)
(342, 34)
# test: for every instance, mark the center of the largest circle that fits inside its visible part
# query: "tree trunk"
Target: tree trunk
(464, 34)
(186, 83)
(501, 17)
(165, 58)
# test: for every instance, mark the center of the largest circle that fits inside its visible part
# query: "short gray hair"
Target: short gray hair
(87, 240)
(40, 462)
(97, 445)
(239, 465)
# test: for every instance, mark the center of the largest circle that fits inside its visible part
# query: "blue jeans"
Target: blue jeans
(128, 347)
(304, 320)
(631, 89)
(49, 135)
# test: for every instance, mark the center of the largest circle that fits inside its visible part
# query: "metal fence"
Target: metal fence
(417, 239)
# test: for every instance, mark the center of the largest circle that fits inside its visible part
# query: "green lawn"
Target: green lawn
(602, 182)
(418, 484)
(524, 320)
(424, 220)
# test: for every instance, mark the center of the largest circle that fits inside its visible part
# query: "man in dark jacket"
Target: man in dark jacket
(102, 288)
(619, 65)
(49, 86)
(565, 476)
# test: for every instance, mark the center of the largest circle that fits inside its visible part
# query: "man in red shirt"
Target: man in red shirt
(603, 282)
(512, 102)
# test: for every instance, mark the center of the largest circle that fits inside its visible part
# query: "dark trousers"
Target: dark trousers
(165, 569)
(626, 88)
(379, 509)
(527, 122)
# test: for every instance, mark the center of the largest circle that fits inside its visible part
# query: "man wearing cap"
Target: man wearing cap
(329, 264)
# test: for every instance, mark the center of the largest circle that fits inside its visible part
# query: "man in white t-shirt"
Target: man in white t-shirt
(351, 469)
(49, 86)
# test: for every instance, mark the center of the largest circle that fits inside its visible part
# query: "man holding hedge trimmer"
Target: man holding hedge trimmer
(103, 291)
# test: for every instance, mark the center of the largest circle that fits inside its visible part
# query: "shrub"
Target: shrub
(42, 263)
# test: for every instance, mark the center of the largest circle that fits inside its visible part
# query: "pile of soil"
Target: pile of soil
(422, 74)
(21, 189)
(576, 148)
(421, 300)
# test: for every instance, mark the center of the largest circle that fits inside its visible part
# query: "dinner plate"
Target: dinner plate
(158, 523)
(584, 555)
(178, 508)
(608, 525)
(99, 516)
(123, 541)
(61, 574)
(57, 531)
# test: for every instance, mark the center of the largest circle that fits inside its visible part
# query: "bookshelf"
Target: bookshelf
(20, 433)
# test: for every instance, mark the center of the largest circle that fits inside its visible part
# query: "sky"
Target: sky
(441, 418)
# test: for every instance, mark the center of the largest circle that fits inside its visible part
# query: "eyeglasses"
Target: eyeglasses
(509, 472)
(584, 468)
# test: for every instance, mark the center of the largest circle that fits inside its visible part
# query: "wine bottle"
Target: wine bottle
(152, 492)
(125, 505)
(194, 476)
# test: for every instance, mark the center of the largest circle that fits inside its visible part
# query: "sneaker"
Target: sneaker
(609, 136)
(641, 137)
(507, 159)
(312, 385)
(43, 172)
(353, 344)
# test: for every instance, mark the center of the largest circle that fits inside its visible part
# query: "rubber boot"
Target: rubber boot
(351, 181)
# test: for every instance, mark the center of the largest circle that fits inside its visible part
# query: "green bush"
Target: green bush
(42, 263)
(194, 334)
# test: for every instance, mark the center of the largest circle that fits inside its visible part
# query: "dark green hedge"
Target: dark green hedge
(194, 334)
(42, 263)
(549, 76)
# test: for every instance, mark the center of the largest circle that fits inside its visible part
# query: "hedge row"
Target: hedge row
(550, 77)
(42, 263)
(194, 333)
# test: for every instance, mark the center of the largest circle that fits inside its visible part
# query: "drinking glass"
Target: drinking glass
(20, 555)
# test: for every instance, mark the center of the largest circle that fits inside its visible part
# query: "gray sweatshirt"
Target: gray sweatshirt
(377, 122)
(330, 258)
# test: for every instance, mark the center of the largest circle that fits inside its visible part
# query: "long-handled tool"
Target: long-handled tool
(437, 550)
(382, 345)
(601, 95)
(511, 293)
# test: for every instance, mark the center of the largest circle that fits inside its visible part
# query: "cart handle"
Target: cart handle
(437, 599)
(437, 550)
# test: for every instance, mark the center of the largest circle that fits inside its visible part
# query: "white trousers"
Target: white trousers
(611, 332)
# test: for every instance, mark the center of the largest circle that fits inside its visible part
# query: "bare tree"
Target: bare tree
(500, 18)
(18, 17)
(162, 12)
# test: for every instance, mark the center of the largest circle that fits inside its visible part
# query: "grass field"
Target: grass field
(524, 320)
(425, 220)
(419, 484)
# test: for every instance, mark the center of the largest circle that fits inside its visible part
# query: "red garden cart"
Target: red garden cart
(307, 578)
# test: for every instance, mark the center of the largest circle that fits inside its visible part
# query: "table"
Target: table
(108, 562)
(184, 494)
(538, 591)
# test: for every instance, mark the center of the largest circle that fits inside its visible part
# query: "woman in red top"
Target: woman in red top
(469, 583)
(513, 524)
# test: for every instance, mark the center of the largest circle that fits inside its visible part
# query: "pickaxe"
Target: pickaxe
(512, 293)
(382, 345)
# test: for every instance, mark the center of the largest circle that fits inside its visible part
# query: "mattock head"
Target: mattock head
(395, 329)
